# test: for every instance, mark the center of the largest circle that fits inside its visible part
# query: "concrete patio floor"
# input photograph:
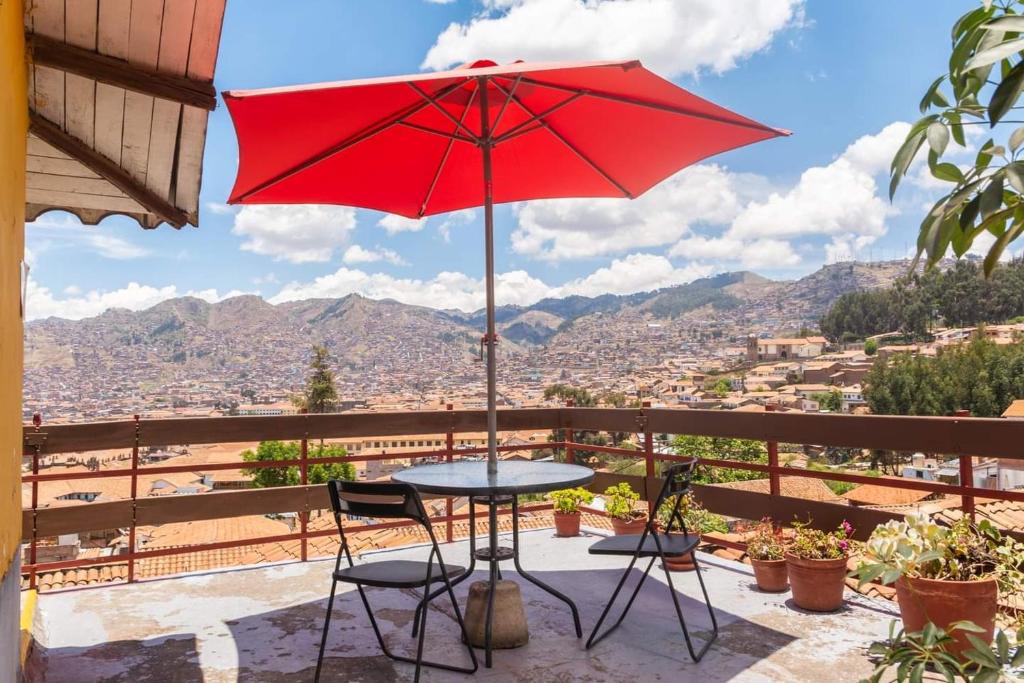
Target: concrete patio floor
(263, 624)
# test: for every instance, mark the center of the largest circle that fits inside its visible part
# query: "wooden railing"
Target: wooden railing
(960, 436)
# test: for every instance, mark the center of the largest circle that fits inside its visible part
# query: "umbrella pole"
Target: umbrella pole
(492, 361)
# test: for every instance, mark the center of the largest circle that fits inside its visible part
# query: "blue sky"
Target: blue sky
(844, 77)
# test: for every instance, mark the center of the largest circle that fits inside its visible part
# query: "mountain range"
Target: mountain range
(178, 329)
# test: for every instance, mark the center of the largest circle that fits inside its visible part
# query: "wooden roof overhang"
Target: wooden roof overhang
(119, 93)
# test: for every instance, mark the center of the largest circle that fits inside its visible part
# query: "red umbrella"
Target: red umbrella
(482, 134)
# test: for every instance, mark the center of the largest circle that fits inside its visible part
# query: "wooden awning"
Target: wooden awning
(119, 93)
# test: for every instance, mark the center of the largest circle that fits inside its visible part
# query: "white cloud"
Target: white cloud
(300, 233)
(113, 247)
(841, 200)
(456, 218)
(445, 290)
(633, 273)
(220, 208)
(763, 254)
(357, 254)
(40, 302)
(66, 231)
(671, 36)
(394, 224)
(577, 228)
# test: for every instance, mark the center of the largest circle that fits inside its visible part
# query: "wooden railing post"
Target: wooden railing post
(570, 452)
(304, 479)
(648, 452)
(134, 498)
(966, 474)
(774, 481)
(37, 421)
(449, 508)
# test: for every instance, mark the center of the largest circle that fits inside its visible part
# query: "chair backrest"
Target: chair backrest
(384, 500)
(677, 483)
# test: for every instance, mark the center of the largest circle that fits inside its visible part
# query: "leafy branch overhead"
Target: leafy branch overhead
(982, 87)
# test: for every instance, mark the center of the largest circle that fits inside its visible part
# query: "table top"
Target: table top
(513, 477)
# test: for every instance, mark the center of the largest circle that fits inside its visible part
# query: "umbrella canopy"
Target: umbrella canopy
(482, 134)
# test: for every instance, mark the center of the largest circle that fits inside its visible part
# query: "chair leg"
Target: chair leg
(323, 638)
(694, 655)
(462, 626)
(418, 661)
(423, 633)
(594, 639)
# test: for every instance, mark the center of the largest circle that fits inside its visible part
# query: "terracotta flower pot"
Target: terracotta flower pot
(622, 527)
(945, 602)
(817, 584)
(680, 563)
(567, 523)
(771, 575)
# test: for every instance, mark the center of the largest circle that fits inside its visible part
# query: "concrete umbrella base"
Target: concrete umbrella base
(509, 627)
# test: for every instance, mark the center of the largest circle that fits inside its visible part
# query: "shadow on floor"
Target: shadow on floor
(282, 645)
(174, 659)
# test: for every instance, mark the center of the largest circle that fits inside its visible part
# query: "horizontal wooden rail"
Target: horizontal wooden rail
(992, 437)
(282, 538)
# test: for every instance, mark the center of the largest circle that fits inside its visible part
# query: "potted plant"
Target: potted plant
(698, 521)
(567, 509)
(767, 554)
(945, 575)
(911, 655)
(620, 502)
(816, 564)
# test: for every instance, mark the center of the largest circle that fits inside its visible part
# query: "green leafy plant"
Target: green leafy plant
(766, 542)
(987, 49)
(696, 516)
(620, 502)
(568, 501)
(918, 547)
(317, 473)
(913, 654)
(815, 544)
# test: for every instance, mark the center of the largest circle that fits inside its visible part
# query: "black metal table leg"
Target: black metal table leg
(492, 513)
(532, 579)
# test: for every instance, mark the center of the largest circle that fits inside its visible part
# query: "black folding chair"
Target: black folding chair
(657, 545)
(391, 501)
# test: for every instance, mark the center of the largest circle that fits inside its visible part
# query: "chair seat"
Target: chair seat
(673, 545)
(396, 573)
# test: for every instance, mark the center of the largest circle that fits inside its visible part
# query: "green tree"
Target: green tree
(318, 473)
(980, 376)
(987, 49)
(581, 398)
(721, 388)
(319, 395)
(871, 347)
(721, 448)
(829, 400)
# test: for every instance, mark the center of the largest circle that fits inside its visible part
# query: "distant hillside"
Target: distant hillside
(191, 332)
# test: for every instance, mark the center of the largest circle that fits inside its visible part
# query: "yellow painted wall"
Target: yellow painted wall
(13, 127)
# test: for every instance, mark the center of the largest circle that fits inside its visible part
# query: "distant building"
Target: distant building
(784, 348)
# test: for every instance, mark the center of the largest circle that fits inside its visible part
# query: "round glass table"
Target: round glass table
(513, 478)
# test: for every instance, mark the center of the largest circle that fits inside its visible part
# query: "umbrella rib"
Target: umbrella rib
(447, 151)
(536, 118)
(364, 134)
(504, 106)
(436, 105)
(622, 99)
(440, 133)
(571, 147)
